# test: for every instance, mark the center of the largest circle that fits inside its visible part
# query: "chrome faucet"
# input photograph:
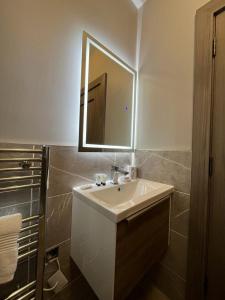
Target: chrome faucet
(115, 172)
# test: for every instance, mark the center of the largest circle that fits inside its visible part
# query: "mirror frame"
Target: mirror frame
(88, 40)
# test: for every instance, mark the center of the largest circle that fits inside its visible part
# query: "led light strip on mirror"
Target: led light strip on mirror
(91, 41)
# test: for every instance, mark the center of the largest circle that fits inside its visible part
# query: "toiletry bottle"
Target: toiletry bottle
(103, 179)
(98, 179)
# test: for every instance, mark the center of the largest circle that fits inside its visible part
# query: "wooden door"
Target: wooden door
(216, 227)
(206, 252)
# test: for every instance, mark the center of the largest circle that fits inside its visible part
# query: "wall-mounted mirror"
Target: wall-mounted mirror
(107, 100)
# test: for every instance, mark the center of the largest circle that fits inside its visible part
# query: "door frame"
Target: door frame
(199, 207)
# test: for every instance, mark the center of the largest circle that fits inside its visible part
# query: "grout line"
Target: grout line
(181, 235)
(13, 205)
(173, 272)
(171, 161)
(58, 245)
(144, 161)
(62, 148)
(180, 192)
(163, 158)
(179, 277)
(71, 174)
(184, 193)
(165, 150)
(65, 194)
(181, 213)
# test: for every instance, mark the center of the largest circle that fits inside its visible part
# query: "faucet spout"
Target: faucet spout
(115, 173)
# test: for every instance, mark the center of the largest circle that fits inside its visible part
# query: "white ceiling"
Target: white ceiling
(138, 3)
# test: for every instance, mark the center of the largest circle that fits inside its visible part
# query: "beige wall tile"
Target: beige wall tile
(169, 282)
(155, 167)
(58, 219)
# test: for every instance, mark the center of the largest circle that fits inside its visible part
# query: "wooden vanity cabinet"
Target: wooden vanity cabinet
(141, 241)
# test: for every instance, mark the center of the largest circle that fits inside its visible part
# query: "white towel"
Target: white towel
(9, 232)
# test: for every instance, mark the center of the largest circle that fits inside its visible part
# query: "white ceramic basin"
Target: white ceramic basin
(120, 201)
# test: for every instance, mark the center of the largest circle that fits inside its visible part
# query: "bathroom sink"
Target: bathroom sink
(120, 201)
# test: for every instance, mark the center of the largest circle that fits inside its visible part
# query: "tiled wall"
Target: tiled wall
(69, 168)
(171, 167)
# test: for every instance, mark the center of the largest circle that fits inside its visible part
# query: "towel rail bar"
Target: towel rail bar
(12, 159)
(19, 169)
(27, 295)
(19, 178)
(29, 236)
(33, 167)
(27, 254)
(21, 248)
(19, 187)
(7, 150)
(32, 218)
(21, 290)
(29, 227)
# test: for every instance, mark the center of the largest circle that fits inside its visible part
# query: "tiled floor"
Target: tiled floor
(150, 293)
(79, 289)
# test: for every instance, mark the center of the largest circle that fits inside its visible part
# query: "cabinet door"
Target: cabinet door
(142, 239)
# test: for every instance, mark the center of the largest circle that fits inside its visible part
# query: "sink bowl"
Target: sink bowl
(117, 196)
(121, 201)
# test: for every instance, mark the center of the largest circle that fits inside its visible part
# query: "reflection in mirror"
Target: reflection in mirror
(107, 104)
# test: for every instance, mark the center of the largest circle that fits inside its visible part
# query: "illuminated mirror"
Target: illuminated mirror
(107, 100)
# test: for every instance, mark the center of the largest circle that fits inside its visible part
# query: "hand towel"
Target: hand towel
(9, 232)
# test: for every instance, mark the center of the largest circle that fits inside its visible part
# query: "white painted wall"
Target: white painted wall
(40, 62)
(166, 74)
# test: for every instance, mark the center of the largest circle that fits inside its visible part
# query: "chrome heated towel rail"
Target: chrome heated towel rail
(22, 173)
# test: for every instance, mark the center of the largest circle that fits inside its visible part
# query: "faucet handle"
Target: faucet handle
(115, 168)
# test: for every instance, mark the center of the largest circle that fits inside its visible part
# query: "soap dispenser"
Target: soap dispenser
(132, 170)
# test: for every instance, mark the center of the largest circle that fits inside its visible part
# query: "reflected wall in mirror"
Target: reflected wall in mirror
(107, 102)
